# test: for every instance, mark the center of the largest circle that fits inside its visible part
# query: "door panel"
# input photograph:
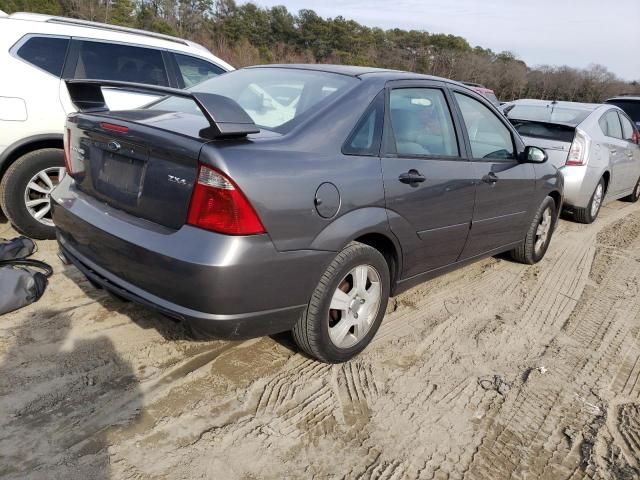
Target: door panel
(427, 184)
(503, 198)
(504, 185)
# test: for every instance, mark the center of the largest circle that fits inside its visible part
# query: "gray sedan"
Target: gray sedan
(296, 198)
(595, 147)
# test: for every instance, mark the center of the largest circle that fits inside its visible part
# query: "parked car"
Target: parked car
(36, 53)
(485, 92)
(630, 104)
(595, 147)
(376, 181)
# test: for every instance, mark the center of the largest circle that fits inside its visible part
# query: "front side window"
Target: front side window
(627, 128)
(488, 136)
(610, 124)
(422, 123)
(124, 63)
(47, 53)
(195, 70)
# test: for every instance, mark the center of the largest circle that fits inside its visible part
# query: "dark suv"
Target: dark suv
(630, 104)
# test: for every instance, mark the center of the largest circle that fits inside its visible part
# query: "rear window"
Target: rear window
(547, 131)
(113, 61)
(548, 114)
(47, 53)
(631, 107)
(274, 98)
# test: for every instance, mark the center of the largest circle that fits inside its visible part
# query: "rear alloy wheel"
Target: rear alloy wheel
(347, 307)
(590, 213)
(538, 237)
(26, 188)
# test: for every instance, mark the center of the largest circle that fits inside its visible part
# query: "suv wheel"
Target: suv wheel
(347, 306)
(25, 190)
(539, 234)
(589, 214)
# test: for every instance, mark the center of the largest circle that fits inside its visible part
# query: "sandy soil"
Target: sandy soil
(495, 371)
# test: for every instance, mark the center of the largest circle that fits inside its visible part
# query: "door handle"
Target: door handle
(412, 177)
(612, 151)
(490, 178)
(630, 154)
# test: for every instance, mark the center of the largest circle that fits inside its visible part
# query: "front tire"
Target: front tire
(347, 306)
(538, 236)
(25, 189)
(589, 214)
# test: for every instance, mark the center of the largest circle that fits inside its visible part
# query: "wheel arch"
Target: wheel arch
(606, 175)
(368, 225)
(27, 145)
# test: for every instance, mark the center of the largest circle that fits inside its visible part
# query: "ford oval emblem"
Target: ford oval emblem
(113, 146)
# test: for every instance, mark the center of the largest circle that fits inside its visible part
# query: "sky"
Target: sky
(540, 32)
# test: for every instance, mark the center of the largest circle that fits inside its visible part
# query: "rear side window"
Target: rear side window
(610, 124)
(47, 53)
(367, 136)
(627, 128)
(195, 70)
(111, 61)
(488, 136)
(421, 123)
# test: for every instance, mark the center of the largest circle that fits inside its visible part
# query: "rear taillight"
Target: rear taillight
(635, 138)
(578, 151)
(67, 151)
(217, 204)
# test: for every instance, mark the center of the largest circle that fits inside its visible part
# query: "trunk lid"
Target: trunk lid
(143, 162)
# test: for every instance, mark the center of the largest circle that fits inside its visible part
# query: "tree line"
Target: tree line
(247, 34)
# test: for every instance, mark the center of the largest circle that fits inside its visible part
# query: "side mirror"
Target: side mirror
(534, 155)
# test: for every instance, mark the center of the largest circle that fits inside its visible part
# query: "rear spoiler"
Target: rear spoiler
(226, 118)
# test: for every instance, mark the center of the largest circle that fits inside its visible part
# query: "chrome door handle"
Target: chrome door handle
(612, 151)
(490, 178)
(630, 154)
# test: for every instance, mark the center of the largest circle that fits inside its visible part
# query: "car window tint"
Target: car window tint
(627, 128)
(422, 123)
(610, 124)
(48, 53)
(195, 70)
(488, 136)
(367, 136)
(111, 61)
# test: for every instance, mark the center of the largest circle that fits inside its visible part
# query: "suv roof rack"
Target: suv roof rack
(97, 25)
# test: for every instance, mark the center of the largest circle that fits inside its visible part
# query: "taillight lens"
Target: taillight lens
(635, 138)
(67, 150)
(578, 151)
(217, 204)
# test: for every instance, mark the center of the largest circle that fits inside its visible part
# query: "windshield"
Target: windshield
(547, 113)
(273, 97)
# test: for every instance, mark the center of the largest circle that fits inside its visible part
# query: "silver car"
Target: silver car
(595, 147)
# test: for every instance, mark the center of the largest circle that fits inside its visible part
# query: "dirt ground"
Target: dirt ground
(494, 371)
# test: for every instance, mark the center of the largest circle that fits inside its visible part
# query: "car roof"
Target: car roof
(560, 104)
(358, 71)
(95, 30)
(633, 98)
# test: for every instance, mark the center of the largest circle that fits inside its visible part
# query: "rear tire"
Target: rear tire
(589, 214)
(635, 195)
(539, 235)
(14, 194)
(356, 284)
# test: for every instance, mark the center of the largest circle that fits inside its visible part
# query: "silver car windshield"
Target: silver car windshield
(548, 114)
(273, 97)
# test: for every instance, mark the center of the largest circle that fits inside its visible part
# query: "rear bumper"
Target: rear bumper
(579, 184)
(228, 286)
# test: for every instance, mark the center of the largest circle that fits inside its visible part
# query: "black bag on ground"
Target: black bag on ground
(21, 283)
(20, 247)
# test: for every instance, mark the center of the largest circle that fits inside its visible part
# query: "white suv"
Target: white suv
(37, 52)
